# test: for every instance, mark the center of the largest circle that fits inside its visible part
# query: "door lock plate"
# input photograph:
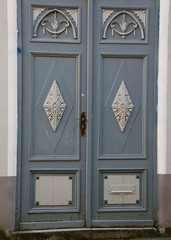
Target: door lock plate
(83, 124)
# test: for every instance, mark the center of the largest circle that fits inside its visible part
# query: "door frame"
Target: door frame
(89, 146)
(155, 158)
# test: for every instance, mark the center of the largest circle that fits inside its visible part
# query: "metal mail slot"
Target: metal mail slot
(121, 189)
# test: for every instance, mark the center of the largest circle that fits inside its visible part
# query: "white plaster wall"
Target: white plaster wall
(168, 163)
(162, 87)
(8, 88)
(12, 87)
(3, 89)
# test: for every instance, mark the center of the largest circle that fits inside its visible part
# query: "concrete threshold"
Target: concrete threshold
(85, 234)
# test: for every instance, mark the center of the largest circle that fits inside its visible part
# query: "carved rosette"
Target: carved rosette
(122, 106)
(54, 106)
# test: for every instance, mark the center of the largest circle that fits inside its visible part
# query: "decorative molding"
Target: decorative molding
(54, 106)
(54, 25)
(124, 28)
(122, 106)
(141, 15)
(106, 14)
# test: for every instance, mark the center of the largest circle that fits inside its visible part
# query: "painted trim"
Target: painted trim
(120, 223)
(155, 118)
(86, 230)
(19, 104)
(89, 112)
(52, 225)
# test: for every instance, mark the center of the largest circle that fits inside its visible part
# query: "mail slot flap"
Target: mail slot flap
(121, 189)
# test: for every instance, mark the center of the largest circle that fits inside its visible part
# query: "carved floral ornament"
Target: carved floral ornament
(55, 21)
(123, 22)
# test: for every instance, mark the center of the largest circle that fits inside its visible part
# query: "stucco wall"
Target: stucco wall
(3, 89)
(8, 88)
(12, 86)
(162, 86)
(164, 89)
(168, 171)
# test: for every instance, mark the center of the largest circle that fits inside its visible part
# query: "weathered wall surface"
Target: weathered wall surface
(7, 203)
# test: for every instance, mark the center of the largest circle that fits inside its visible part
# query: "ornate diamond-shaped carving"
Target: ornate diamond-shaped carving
(122, 106)
(54, 106)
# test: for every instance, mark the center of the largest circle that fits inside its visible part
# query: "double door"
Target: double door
(88, 113)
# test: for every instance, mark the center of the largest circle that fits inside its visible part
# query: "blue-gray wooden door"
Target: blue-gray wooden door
(96, 57)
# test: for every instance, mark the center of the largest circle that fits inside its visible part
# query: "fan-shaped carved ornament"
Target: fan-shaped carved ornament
(123, 22)
(55, 21)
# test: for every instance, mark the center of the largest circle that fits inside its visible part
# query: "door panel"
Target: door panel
(54, 95)
(106, 177)
(127, 135)
(48, 138)
(123, 113)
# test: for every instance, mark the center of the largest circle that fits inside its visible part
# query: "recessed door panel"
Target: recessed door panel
(58, 190)
(55, 23)
(122, 107)
(128, 24)
(54, 102)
